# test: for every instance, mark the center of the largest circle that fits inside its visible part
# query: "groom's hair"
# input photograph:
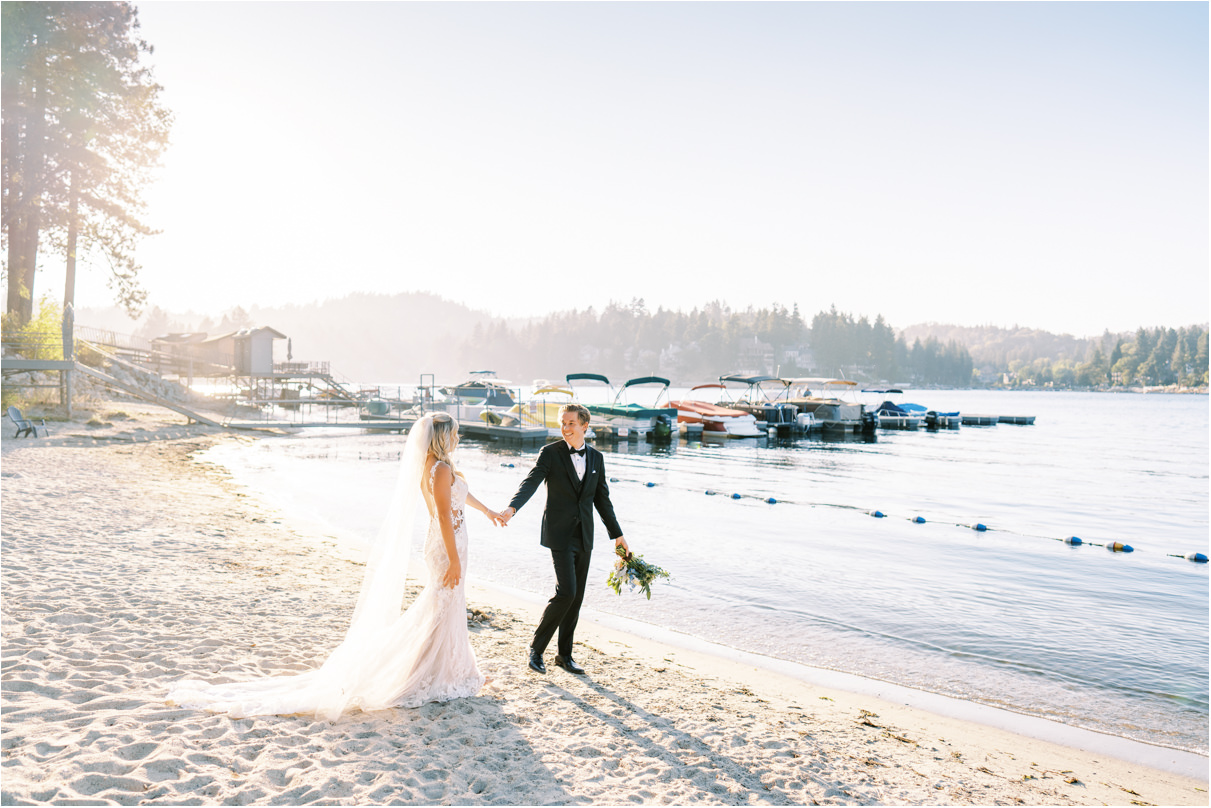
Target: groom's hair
(582, 413)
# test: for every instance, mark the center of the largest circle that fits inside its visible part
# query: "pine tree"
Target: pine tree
(82, 129)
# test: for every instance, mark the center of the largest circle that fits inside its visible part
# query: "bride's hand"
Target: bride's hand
(453, 573)
(497, 518)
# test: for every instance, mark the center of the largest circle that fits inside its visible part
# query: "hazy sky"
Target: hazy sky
(1034, 163)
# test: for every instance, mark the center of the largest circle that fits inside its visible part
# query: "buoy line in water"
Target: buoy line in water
(1073, 541)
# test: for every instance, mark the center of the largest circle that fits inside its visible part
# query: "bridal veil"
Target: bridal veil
(343, 680)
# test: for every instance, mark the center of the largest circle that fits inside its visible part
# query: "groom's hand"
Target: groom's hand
(621, 542)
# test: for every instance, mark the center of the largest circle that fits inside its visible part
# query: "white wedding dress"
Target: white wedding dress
(388, 658)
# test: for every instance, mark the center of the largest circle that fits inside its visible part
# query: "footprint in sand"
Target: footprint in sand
(90, 785)
(136, 751)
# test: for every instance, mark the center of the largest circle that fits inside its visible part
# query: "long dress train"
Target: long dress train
(423, 655)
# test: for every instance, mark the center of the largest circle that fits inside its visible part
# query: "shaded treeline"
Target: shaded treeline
(859, 349)
(627, 340)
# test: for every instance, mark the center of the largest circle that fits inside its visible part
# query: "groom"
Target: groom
(575, 476)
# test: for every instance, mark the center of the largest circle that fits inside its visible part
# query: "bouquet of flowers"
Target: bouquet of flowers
(633, 571)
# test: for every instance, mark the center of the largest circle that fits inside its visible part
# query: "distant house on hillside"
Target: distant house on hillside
(756, 354)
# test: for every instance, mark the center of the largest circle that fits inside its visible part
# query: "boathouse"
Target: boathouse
(254, 351)
(248, 352)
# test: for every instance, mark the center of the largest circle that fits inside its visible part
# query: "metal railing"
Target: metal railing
(104, 336)
(37, 347)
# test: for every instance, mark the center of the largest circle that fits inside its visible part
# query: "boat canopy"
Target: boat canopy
(889, 391)
(750, 380)
(647, 380)
(493, 392)
(819, 382)
(595, 377)
(712, 384)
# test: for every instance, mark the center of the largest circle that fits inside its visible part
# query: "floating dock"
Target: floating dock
(476, 429)
(992, 420)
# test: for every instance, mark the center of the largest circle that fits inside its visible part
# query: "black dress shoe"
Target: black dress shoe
(568, 664)
(536, 662)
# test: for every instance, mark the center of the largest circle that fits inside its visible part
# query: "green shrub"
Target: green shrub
(41, 337)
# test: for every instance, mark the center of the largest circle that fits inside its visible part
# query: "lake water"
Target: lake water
(1011, 617)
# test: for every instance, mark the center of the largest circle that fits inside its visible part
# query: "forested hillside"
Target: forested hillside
(395, 338)
(1028, 357)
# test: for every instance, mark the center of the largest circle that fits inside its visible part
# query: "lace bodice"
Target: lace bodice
(458, 497)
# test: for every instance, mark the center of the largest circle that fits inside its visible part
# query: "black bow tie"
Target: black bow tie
(579, 451)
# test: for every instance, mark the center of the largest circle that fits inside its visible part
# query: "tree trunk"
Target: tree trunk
(73, 233)
(25, 207)
(22, 261)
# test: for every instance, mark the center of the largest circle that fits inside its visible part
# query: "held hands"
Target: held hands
(505, 516)
(498, 518)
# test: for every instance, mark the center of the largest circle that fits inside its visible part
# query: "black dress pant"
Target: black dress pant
(563, 610)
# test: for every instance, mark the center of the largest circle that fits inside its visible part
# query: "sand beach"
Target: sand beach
(128, 565)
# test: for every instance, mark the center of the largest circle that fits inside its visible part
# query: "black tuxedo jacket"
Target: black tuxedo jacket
(567, 520)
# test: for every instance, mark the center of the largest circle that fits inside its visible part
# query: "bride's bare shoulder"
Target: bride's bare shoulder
(441, 471)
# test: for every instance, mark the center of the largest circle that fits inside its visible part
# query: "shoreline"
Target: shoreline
(130, 564)
(734, 661)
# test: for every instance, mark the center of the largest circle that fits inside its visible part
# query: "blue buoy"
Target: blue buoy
(980, 527)
(507, 465)
(920, 520)
(1119, 547)
(650, 485)
(1075, 541)
(772, 501)
(613, 479)
(1199, 557)
(735, 496)
(877, 514)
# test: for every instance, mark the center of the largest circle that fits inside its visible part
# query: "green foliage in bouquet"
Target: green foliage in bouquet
(633, 571)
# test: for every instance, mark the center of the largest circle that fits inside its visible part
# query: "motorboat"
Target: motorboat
(943, 420)
(716, 420)
(764, 399)
(822, 397)
(889, 415)
(481, 392)
(627, 418)
(543, 408)
(932, 419)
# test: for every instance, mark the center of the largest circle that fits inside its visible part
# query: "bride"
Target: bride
(388, 658)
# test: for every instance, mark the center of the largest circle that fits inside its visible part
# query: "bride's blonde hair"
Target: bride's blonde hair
(445, 433)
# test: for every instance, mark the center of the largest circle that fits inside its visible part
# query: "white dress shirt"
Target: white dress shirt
(579, 462)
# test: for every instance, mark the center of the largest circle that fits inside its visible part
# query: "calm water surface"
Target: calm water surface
(1011, 617)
